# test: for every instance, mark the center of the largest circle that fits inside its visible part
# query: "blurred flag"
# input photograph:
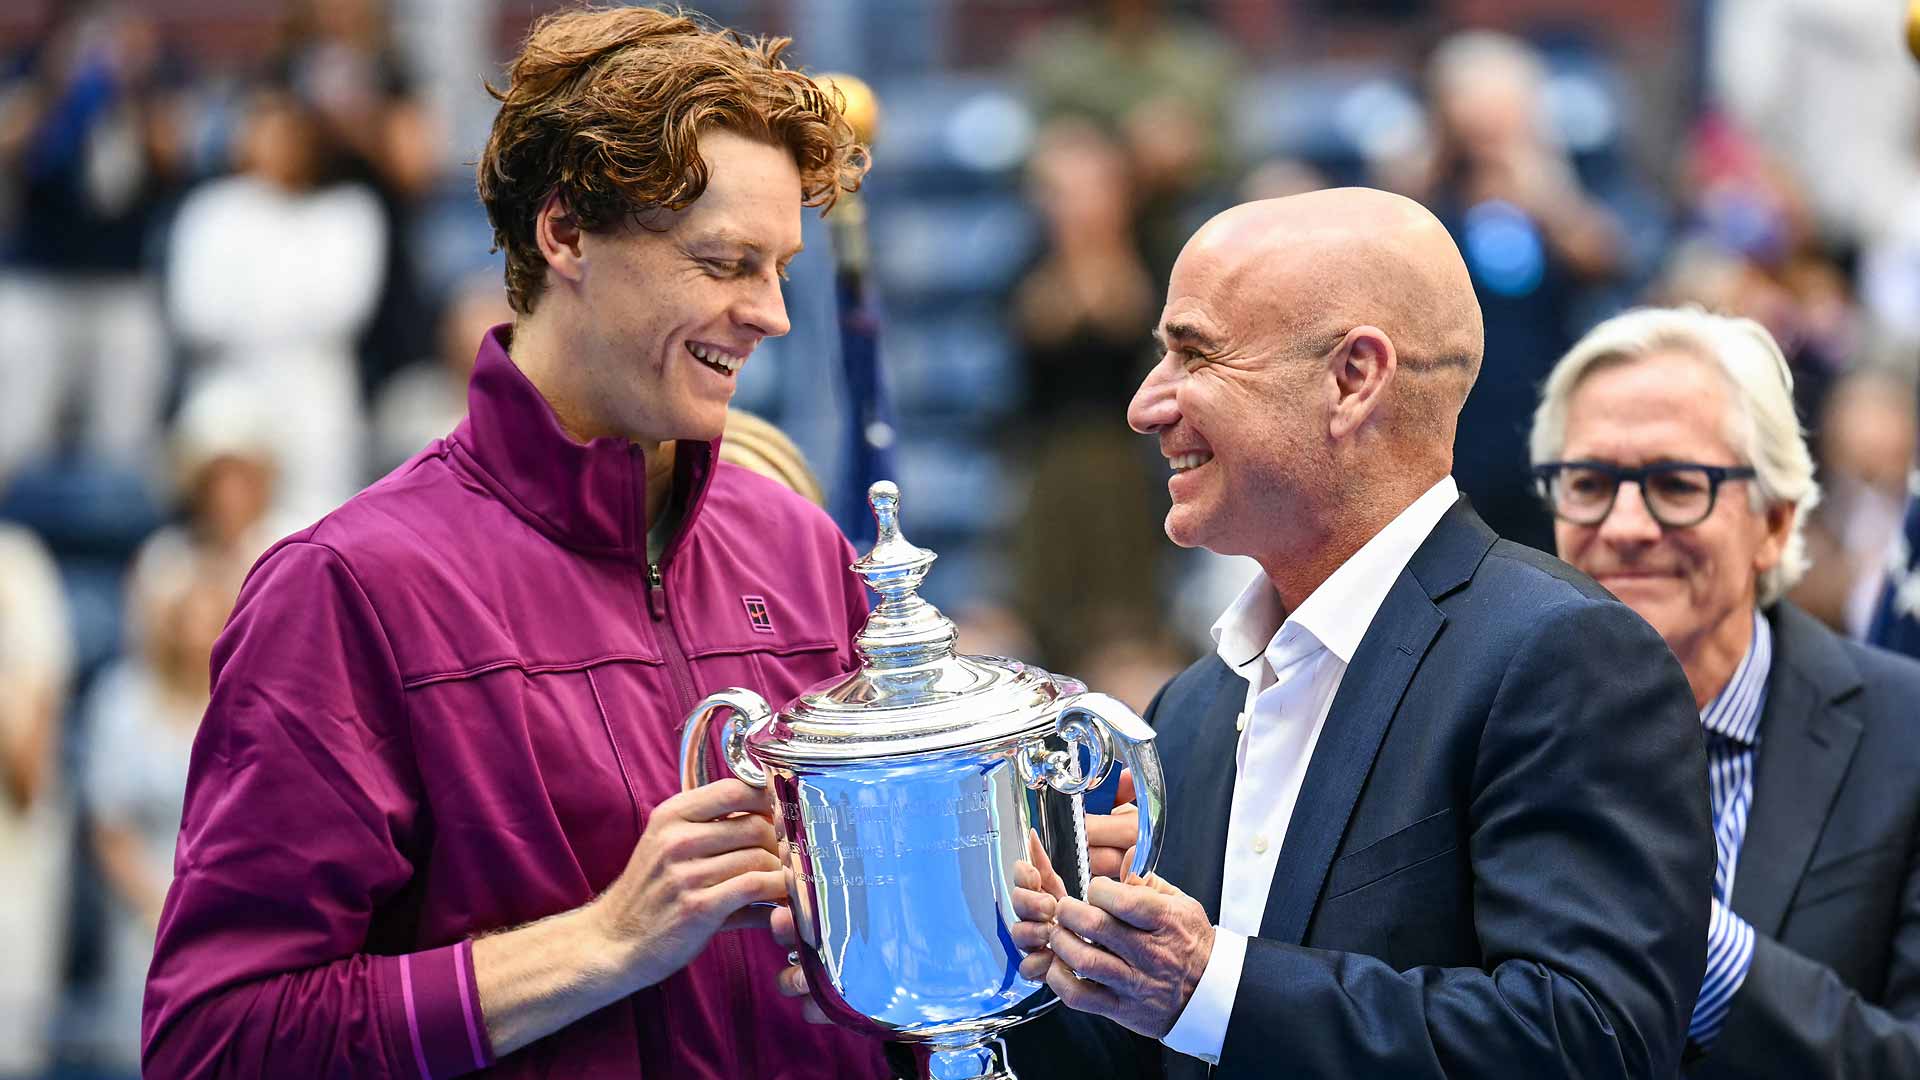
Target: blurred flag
(1896, 621)
(870, 433)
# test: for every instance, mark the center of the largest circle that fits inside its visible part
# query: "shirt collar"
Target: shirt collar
(1735, 711)
(589, 496)
(1337, 613)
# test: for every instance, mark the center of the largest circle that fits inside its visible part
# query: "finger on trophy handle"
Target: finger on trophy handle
(1134, 741)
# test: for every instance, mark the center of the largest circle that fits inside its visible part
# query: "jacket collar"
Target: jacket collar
(1452, 552)
(590, 497)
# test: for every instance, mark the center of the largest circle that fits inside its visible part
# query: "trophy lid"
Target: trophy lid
(912, 693)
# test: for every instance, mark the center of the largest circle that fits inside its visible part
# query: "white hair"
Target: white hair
(1760, 425)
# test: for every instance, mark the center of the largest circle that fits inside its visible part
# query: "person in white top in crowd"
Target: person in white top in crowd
(93, 144)
(273, 274)
(36, 664)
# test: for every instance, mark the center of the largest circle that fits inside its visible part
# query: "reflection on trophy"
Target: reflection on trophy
(908, 793)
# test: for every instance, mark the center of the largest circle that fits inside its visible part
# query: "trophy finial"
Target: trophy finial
(903, 630)
(884, 497)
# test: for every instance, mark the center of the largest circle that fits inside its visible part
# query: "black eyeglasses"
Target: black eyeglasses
(1676, 493)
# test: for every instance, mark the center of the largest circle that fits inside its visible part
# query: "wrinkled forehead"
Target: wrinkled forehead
(1226, 290)
(1666, 406)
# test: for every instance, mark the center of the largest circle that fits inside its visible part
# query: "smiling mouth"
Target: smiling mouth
(725, 363)
(1188, 462)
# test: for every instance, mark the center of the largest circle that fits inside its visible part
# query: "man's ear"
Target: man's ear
(558, 235)
(1778, 519)
(1363, 366)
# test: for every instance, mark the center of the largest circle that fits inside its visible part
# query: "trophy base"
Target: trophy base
(981, 1061)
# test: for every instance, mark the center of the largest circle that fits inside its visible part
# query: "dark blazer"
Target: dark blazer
(1827, 874)
(1501, 859)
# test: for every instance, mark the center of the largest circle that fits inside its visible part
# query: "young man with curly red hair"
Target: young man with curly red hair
(434, 820)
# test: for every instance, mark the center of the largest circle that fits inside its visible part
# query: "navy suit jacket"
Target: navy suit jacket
(1501, 860)
(1828, 874)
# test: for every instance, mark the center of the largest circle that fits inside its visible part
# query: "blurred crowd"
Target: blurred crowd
(215, 329)
(219, 318)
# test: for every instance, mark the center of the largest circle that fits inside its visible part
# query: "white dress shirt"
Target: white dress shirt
(1293, 664)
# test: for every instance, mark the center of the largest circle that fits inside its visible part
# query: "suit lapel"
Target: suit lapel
(1807, 740)
(1369, 693)
(1200, 782)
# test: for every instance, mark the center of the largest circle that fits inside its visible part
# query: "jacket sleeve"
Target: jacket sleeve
(302, 812)
(1794, 1017)
(1592, 862)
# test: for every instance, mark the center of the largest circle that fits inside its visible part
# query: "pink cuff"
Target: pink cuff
(432, 1006)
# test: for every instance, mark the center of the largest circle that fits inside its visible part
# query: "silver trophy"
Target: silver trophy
(906, 792)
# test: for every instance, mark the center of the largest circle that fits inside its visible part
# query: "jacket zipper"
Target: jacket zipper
(731, 957)
(670, 638)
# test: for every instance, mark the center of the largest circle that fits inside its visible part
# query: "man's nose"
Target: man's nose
(1155, 407)
(1629, 522)
(765, 309)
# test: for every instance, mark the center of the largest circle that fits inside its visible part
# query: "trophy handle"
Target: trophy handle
(749, 712)
(1133, 740)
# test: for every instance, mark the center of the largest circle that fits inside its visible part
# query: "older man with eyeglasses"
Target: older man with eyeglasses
(1667, 449)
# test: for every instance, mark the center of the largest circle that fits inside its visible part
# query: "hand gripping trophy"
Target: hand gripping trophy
(906, 792)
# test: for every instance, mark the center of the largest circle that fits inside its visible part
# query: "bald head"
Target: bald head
(1321, 263)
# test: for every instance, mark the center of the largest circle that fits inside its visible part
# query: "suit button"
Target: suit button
(1260, 844)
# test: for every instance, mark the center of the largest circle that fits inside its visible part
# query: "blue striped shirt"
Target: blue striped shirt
(1732, 723)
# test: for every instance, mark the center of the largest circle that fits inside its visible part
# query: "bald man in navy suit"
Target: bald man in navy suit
(1438, 803)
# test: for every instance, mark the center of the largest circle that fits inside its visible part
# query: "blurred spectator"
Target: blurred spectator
(1161, 86)
(1890, 274)
(339, 57)
(1753, 251)
(1830, 90)
(36, 662)
(142, 715)
(91, 139)
(1866, 450)
(426, 399)
(142, 711)
(1083, 316)
(272, 276)
(225, 477)
(1534, 239)
(1083, 313)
